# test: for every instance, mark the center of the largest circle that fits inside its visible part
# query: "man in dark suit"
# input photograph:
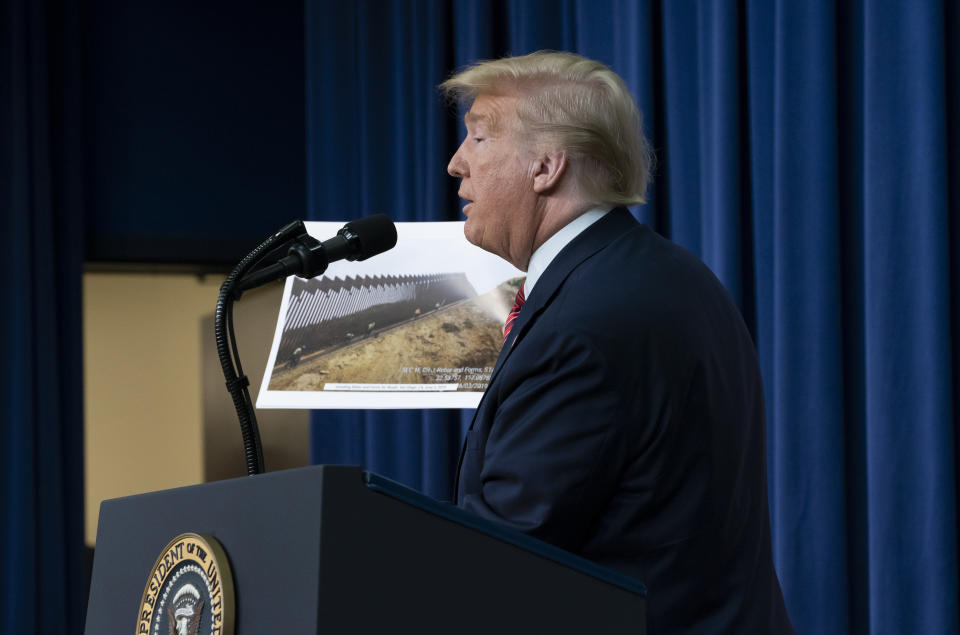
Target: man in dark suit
(624, 420)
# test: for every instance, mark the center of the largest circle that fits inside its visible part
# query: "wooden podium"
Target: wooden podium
(334, 549)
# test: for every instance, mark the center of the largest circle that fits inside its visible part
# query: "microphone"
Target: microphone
(308, 257)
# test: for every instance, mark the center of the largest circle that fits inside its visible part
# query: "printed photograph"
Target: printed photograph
(367, 338)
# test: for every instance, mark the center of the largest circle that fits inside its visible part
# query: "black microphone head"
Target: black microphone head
(370, 236)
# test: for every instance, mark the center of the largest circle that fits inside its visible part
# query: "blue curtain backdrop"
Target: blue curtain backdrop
(808, 153)
(43, 586)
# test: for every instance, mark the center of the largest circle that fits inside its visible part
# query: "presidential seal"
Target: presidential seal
(190, 590)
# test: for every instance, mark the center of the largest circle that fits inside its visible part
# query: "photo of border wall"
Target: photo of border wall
(407, 329)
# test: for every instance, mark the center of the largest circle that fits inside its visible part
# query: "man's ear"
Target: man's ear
(549, 169)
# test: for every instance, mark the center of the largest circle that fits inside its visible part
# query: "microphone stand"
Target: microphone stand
(306, 257)
(237, 382)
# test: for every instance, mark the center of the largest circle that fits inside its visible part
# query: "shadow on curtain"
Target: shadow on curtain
(43, 584)
(809, 155)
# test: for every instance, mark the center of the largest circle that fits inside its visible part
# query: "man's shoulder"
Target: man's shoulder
(660, 294)
(640, 268)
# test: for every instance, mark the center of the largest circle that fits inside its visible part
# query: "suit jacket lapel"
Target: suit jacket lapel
(590, 241)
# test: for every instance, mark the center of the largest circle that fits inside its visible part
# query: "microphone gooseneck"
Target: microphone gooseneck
(306, 257)
(236, 381)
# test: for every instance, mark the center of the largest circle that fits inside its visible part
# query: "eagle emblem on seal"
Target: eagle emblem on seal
(185, 611)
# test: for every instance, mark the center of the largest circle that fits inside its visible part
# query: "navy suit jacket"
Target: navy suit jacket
(624, 422)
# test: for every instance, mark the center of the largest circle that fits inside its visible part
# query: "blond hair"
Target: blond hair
(578, 104)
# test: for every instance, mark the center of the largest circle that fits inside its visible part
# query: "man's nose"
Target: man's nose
(457, 166)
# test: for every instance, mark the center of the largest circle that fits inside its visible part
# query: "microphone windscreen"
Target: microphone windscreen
(376, 234)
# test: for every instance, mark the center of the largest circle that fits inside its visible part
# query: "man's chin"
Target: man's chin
(471, 235)
(475, 238)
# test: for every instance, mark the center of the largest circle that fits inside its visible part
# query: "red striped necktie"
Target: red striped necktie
(514, 312)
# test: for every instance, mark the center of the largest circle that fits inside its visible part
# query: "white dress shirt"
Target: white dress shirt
(545, 254)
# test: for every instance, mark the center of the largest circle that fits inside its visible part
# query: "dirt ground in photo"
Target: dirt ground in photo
(467, 334)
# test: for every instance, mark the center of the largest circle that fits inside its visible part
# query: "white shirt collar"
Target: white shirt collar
(546, 252)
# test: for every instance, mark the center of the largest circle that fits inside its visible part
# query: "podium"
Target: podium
(334, 549)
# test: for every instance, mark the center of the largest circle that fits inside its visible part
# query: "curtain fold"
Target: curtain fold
(806, 390)
(808, 153)
(392, 161)
(42, 565)
(907, 324)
